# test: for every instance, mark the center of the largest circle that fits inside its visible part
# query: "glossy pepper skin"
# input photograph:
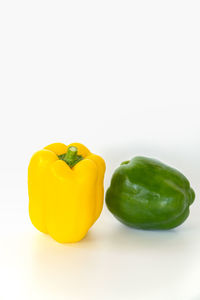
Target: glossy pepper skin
(65, 201)
(147, 194)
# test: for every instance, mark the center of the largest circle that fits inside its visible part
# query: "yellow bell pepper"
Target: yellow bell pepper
(65, 186)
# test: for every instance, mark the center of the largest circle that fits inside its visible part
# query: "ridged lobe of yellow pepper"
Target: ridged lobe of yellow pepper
(65, 202)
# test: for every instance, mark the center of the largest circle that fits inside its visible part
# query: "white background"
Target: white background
(122, 77)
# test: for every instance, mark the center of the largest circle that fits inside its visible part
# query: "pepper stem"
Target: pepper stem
(125, 162)
(71, 157)
(71, 154)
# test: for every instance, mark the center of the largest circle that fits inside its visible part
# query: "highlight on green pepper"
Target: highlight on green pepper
(145, 193)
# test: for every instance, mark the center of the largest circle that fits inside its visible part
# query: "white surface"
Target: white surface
(122, 77)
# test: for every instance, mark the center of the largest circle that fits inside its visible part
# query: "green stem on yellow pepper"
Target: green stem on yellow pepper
(71, 157)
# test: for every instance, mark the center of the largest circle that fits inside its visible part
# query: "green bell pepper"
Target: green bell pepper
(147, 194)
